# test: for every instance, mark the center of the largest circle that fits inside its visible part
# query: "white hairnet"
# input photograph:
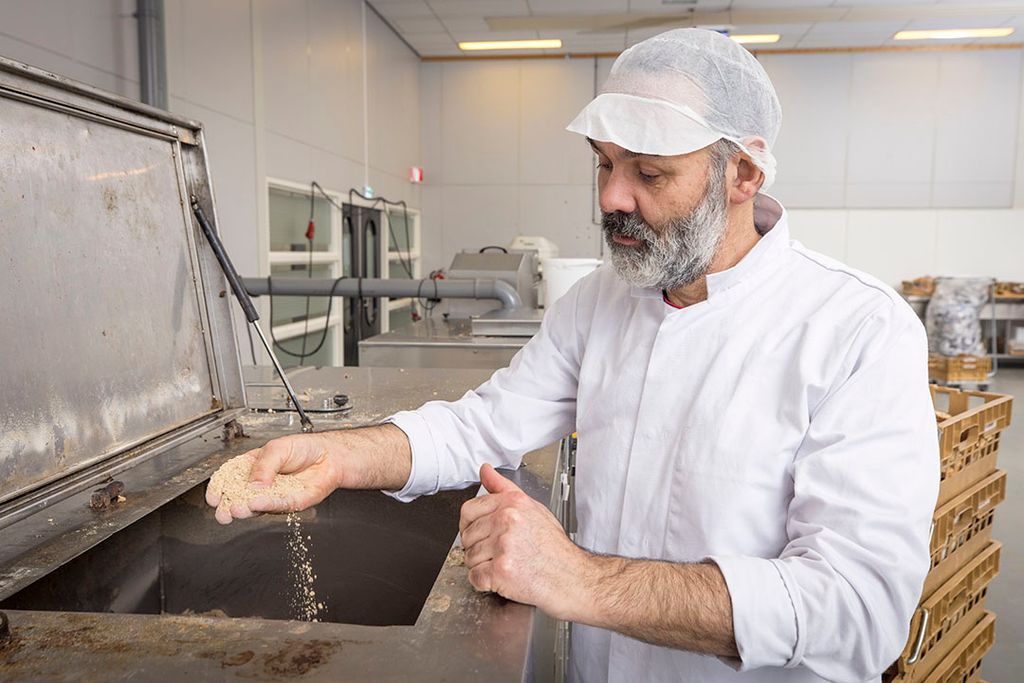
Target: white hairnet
(681, 91)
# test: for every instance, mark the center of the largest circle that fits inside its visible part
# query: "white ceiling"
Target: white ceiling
(434, 27)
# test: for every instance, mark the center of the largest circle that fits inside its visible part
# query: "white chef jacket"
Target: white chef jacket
(782, 428)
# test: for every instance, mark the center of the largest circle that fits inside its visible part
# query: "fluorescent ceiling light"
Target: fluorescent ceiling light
(955, 33)
(553, 44)
(756, 38)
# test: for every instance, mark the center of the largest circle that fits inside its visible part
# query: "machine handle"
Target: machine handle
(225, 263)
(919, 642)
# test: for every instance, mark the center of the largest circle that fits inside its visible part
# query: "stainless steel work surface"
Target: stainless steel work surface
(378, 562)
(438, 343)
(111, 334)
(517, 322)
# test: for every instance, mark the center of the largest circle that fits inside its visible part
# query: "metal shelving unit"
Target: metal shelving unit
(1000, 316)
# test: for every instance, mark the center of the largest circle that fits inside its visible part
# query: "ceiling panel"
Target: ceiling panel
(466, 24)
(577, 6)
(430, 40)
(802, 23)
(486, 8)
(494, 35)
(826, 40)
(959, 22)
(837, 29)
(408, 25)
(394, 9)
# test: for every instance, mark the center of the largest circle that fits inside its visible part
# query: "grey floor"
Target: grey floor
(1005, 662)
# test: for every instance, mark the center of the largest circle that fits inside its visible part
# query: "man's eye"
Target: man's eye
(647, 177)
(605, 166)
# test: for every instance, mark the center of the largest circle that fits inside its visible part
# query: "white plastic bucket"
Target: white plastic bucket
(561, 273)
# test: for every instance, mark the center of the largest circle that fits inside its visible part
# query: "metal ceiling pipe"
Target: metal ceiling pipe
(152, 53)
(391, 288)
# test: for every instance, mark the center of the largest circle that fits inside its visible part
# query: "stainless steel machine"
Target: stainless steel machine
(470, 333)
(518, 269)
(123, 392)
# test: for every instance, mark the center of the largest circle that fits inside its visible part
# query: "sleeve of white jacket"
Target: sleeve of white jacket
(525, 406)
(839, 598)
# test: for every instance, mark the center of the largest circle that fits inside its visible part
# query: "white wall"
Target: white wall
(277, 85)
(498, 162)
(897, 129)
(902, 164)
(900, 244)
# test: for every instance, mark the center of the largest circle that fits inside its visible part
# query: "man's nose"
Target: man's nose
(616, 194)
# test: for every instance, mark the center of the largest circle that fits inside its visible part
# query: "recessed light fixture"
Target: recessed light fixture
(546, 44)
(756, 38)
(955, 33)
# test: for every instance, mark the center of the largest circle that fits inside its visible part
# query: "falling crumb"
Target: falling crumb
(303, 602)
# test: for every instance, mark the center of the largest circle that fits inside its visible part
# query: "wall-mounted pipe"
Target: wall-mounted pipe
(152, 53)
(391, 288)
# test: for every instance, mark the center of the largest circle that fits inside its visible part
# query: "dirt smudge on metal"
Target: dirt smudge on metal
(297, 658)
(438, 603)
(229, 659)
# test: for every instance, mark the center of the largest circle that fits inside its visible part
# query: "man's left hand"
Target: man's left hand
(515, 547)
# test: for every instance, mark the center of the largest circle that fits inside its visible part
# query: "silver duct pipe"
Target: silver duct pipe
(152, 53)
(391, 288)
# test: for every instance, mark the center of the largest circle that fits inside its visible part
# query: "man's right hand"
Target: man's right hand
(305, 456)
(368, 458)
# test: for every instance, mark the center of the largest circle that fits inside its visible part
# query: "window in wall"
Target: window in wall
(289, 211)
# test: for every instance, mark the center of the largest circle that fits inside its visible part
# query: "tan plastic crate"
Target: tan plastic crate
(969, 424)
(962, 528)
(959, 368)
(963, 665)
(1010, 290)
(922, 286)
(946, 617)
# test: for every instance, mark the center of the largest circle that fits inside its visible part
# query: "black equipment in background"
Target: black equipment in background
(361, 237)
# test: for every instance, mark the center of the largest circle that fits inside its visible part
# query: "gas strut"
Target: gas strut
(246, 303)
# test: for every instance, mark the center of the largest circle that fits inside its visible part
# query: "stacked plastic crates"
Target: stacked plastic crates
(951, 630)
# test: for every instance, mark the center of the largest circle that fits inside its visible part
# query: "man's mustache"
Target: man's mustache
(628, 225)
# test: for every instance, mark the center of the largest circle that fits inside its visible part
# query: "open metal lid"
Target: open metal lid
(115, 328)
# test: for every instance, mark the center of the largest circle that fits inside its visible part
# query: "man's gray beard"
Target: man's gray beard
(682, 253)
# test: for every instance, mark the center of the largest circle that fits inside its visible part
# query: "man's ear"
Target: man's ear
(747, 180)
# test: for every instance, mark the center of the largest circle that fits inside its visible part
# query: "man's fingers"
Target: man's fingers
(223, 516)
(270, 460)
(477, 531)
(212, 497)
(480, 577)
(494, 482)
(476, 508)
(264, 503)
(481, 552)
(241, 511)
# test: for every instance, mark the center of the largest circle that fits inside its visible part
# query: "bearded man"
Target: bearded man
(757, 460)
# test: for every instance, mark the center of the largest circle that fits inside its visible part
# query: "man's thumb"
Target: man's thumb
(494, 482)
(267, 464)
